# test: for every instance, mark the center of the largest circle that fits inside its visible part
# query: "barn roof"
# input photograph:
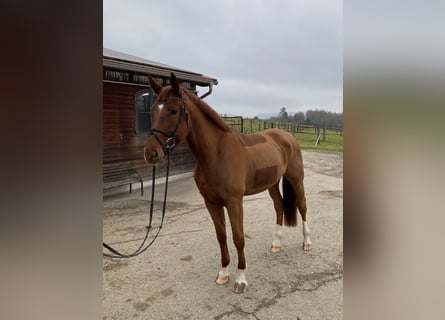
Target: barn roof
(123, 61)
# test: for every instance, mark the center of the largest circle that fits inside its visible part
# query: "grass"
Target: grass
(333, 139)
(333, 142)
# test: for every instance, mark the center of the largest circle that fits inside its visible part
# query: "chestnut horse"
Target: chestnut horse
(229, 165)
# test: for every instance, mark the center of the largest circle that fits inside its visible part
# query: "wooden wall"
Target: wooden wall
(120, 142)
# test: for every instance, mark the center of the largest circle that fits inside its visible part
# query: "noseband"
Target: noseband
(170, 142)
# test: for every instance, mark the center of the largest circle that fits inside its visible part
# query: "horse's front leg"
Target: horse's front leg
(235, 212)
(217, 213)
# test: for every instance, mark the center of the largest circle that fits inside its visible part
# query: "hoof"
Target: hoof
(240, 287)
(222, 279)
(275, 249)
(307, 246)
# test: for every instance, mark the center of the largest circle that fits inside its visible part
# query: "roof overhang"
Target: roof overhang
(121, 61)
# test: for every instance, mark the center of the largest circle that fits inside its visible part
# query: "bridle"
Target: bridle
(170, 142)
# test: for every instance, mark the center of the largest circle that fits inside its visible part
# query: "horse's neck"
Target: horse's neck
(204, 138)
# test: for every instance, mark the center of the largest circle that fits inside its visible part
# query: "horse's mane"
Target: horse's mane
(210, 114)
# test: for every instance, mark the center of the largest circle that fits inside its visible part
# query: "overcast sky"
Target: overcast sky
(265, 54)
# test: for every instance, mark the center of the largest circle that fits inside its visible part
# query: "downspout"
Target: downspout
(208, 92)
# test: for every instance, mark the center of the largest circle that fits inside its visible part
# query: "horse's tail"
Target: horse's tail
(289, 204)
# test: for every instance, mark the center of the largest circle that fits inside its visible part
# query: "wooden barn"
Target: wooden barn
(127, 99)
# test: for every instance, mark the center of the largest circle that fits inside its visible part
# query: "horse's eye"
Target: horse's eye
(174, 111)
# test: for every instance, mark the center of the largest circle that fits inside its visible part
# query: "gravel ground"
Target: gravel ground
(174, 278)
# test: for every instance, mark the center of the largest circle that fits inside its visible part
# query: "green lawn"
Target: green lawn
(333, 139)
(333, 142)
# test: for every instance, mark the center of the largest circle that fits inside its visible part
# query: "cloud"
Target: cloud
(251, 97)
(263, 53)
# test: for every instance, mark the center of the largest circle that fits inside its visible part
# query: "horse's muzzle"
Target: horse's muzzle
(152, 156)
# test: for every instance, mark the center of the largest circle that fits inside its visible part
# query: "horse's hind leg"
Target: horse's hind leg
(301, 203)
(274, 193)
(217, 214)
(295, 174)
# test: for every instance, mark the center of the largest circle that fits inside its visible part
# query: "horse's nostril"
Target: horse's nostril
(152, 156)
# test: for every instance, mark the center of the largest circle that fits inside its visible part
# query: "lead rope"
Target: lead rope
(117, 254)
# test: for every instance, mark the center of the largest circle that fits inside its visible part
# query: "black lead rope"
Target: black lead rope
(119, 255)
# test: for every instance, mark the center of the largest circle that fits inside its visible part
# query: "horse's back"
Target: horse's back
(283, 138)
(249, 140)
(276, 135)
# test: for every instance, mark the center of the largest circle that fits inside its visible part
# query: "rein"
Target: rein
(167, 146)
(141, 248)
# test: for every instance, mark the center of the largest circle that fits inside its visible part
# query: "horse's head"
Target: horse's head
(169, 120)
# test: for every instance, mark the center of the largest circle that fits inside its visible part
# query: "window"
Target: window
(142, 103)
(117, 76)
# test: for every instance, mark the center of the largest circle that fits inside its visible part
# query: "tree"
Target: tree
(298, 117)
(283, 114)
(324, 118)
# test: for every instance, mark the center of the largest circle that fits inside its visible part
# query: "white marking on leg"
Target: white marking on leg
(223, 276)
(306, 241)
(223, 272)
(241, 282)
(276, 243)
(241, 276)
(160, 107)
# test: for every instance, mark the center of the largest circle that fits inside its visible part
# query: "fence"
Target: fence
(235, 121)
(318, 133)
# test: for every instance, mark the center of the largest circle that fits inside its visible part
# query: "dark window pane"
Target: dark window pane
(142, 104)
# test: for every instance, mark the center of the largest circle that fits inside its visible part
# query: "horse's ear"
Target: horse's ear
(174, 83)
(154, 85)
